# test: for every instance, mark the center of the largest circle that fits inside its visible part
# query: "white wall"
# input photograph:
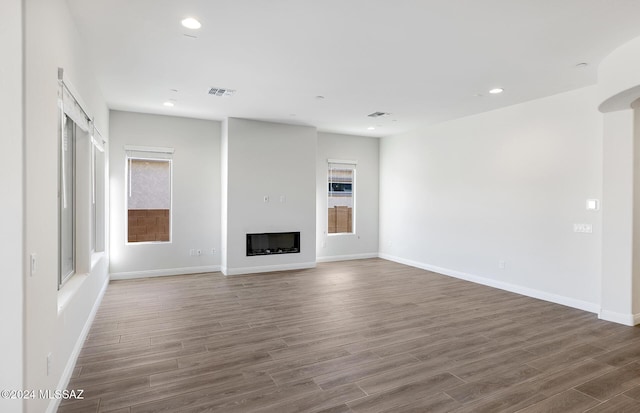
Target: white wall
(619, 77)
(619, 94)
(196, 195)
(618, 214)
(55, 321)
(506, 185)
(224, 186)
(11, 217)
(364, 243)
(635, 281)
(274, 160)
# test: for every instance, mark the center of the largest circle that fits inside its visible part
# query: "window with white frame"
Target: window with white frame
(341, 198)
(98, 200)
(73, 130)
(67, 199)
(149, 192)
(81, 187)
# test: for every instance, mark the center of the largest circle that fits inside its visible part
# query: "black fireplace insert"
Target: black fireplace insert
(273, 243)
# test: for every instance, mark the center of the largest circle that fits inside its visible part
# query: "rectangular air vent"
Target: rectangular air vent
(219, 91)
(378, 114)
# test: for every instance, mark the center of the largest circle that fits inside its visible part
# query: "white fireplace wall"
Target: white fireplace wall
(270, 178)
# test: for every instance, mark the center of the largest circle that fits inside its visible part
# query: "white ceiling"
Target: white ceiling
(424, 61)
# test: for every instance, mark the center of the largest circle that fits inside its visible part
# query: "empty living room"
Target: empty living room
(320, 206)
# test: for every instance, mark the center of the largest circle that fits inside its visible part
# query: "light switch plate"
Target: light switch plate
(34, 264)
(593, 205)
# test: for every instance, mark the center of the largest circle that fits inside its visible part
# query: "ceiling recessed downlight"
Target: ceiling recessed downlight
(191, 23)
(169, 104)
(371, 128)
(496, 91)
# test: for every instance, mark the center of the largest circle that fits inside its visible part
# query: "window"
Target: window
(341, 198)
(149, 172)
(81, 187)
(67, 207)
(97, 192)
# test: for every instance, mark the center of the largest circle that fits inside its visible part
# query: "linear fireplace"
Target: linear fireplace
(273, 243)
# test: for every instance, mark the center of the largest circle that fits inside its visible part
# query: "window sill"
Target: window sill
(343, 234)
(148, 243)
(95, 259)
(69, 289)
(73, 285)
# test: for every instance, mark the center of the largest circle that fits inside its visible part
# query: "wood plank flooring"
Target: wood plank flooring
(359, 336)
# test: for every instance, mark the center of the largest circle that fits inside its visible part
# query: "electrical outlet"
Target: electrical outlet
(213, 251)
(502, 264)
(584, 228)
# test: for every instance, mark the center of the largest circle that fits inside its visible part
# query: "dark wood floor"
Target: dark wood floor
(359, 336)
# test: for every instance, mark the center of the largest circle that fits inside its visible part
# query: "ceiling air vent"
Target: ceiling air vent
(378, 114)
(220, 91)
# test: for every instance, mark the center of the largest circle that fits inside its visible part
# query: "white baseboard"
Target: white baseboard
(333, 258)
(71, 363)
(514, 288)
(269, 268)
(163, 273)
(620, 318)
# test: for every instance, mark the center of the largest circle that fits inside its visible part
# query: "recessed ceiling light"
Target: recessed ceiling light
(191, 23)
(371, 128)
(496, 91)
(168, 104)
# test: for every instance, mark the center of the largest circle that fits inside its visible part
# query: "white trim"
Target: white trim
(529, 292)
(332, 258)
(620, 318)
(342, 161)
(155, 149)
(74, 100)
(127, 195)
(73, 358)
(269, 268)
(164, 272)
